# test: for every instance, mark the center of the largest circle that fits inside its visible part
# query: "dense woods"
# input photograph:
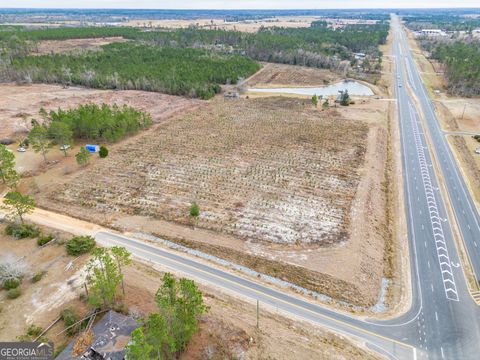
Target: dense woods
(462, 66)
(191, 72)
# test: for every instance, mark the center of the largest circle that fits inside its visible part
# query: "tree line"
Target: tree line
(462, 63)
(316, 46)
(178, 71)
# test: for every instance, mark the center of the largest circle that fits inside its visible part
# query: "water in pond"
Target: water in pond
(353, 87)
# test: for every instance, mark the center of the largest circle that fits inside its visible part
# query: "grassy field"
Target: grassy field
(272, 170)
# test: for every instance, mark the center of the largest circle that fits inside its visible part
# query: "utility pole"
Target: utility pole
(464, 107)
(258, 314)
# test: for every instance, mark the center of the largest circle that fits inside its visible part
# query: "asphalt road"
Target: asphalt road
(443, 321)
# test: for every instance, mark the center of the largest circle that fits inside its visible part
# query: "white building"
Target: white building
(432, 32)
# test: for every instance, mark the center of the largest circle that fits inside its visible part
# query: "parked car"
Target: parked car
(477, 150)
(21, 149)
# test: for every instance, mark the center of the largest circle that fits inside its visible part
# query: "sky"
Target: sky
(238, 4)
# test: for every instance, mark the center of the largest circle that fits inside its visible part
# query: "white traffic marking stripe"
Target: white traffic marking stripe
(442, 252)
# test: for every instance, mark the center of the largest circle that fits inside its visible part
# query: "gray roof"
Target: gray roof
(111, 334)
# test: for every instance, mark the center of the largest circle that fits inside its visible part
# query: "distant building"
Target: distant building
(111, 335)
(432, 32)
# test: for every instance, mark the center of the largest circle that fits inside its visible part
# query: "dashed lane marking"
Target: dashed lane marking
(437, 229)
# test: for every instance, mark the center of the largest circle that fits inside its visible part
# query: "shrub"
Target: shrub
(33, 331)
(11, 284)
(14, 293)
(103, 153)
(194, 210)
(21, 231)
(38, 276)
(69, 318)
(79, 245)
(44, 239)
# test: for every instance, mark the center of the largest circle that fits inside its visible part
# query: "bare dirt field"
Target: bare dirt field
(39, 302)
(65, 46)
(274, 178)
(19, 104)
(280, 75)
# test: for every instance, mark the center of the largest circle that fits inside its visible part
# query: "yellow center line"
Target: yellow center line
(270, 296)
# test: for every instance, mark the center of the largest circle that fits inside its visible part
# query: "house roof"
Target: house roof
(111, 335)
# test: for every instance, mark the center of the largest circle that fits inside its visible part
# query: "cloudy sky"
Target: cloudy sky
(238, 4)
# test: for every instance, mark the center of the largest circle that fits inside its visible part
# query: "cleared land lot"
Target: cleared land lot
(257, 171)
(18, 104)
(64, 46)
(281, 187)
(274, 75)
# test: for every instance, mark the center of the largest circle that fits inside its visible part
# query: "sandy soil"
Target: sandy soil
(466, 113)
(65, 46)
(39, 301)
(281, 75)
(19, 104)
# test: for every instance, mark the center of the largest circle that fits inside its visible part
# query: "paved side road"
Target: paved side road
(275, 299)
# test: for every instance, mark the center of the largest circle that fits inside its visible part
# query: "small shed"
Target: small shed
(111, 335)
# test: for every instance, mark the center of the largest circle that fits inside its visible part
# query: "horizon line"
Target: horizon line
(243, 9)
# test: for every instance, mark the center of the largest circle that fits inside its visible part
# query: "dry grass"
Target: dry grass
(40, 302)
(268, 170)
(66, 46)
(246, 26)
(281, 75)
(18, 104)
(469, 162)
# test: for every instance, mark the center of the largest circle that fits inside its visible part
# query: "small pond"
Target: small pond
(354, 88)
